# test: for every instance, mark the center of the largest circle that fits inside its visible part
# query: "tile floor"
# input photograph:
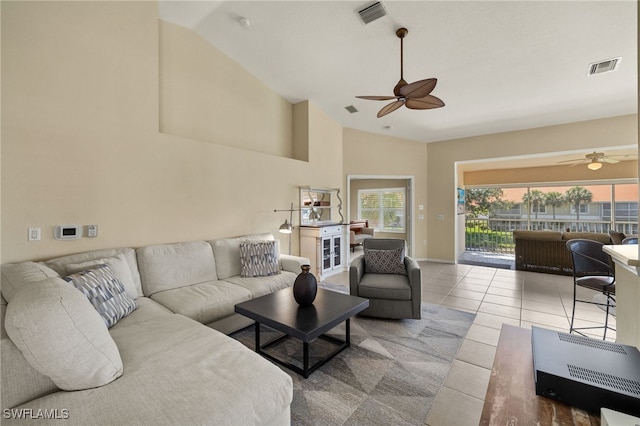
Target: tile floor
(496, 296)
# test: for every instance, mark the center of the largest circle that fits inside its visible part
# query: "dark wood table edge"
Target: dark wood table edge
(512, 384)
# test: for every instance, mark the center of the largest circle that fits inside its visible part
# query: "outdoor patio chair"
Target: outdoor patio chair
(592, 268)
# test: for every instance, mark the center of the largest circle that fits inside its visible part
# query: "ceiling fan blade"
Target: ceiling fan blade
(609, 160)
(390, 107)
(376, 98)
(418, 89)
(427, 102)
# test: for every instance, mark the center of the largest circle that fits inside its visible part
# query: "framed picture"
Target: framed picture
(460, 201)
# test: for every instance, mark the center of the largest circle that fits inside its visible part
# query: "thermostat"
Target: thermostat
(67, 232)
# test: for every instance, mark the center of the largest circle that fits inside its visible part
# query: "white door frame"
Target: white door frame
(408, 207)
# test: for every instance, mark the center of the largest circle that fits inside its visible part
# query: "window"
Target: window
(584, 208)
(383, 208)
(540, 208)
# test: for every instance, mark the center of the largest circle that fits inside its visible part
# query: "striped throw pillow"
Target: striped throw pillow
(105, 292)
(259, 259)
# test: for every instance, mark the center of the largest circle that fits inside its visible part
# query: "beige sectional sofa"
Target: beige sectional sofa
(161, 362)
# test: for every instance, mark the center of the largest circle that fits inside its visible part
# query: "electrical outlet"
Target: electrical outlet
(34, 234)
(440, 217)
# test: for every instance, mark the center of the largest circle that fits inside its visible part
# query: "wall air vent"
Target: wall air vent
(372, 12)
(604, 66)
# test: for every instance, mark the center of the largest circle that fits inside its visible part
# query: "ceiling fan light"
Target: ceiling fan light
(594, 165)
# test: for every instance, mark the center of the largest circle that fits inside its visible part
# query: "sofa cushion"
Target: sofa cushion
(595, 236)
(538, 235)
(105, 292)
(389, 261)
(227, 253)
(259, 259)
(15, 275)
(118, 265)
(179, 372)
(204, 302)
(265, 285)
(20, 381)
(59, 264)
(169, 266)
(62, 336)
(147, 309)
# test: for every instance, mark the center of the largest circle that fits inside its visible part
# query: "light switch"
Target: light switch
(92, 231)
(421, 207)
(34, 234)
(421, 216)
(440, 217)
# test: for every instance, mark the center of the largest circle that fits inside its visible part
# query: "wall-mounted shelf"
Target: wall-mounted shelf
(320, 206)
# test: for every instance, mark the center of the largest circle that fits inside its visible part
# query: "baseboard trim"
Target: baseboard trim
(451, 262)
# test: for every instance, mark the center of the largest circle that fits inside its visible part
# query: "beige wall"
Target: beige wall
(201, 88)
(373, 154)
(442, 156)
(81, 141)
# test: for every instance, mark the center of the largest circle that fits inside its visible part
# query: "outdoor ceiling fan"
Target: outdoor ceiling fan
(594, 160)
(415, 95)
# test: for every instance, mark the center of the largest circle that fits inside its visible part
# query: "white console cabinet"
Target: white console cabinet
(323, 245)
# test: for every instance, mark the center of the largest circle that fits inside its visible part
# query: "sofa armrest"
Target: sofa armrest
(356, 271)
(369, 231)
(293, 263)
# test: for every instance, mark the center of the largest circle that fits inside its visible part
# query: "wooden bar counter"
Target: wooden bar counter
(511, 396)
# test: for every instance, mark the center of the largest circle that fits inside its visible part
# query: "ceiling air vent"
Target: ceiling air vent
(372, 12)
(604, 66)
(351, 109)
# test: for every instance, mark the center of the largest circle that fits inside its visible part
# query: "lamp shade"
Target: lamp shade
(286, 227)
(594, 165)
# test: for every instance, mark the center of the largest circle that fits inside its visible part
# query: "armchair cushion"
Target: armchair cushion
(378, 286)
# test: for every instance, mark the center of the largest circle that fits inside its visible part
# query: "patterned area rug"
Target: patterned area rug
(389, 376)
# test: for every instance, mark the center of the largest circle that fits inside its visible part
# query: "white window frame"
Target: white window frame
(381, 209)
(584, 208)
(542, 209)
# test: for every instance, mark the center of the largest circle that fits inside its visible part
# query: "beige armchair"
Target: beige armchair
(391, 293)
(358, 232)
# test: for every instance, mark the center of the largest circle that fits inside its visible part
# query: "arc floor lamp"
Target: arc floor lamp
(287, 227)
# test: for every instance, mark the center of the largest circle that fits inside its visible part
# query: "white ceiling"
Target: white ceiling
(501, 65)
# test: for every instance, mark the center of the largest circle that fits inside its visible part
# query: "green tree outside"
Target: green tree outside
(534, 198)
(554, 199)
(576, 195)
(483, 201)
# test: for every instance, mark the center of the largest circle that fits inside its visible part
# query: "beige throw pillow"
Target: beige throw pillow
(62, 336)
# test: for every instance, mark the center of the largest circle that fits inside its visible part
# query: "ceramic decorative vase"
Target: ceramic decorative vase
(305, 287)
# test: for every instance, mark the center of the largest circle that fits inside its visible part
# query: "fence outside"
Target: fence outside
(495, 235)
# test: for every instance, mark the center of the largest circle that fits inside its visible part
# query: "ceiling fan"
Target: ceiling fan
(594, 160)
(415, 95)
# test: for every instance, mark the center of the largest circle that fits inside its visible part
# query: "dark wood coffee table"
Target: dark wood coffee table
(280, 311)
